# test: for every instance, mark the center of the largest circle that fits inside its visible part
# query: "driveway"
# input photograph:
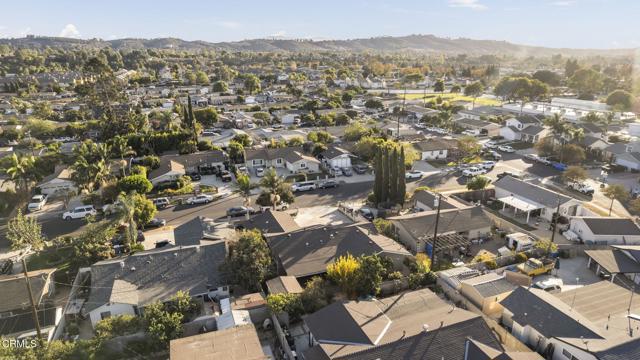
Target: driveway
(223, 187)
(570, 269)
(320, 215)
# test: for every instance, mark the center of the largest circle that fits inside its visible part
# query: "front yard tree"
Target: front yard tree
(251, 84)
(621, 100)
(385, 175)
(135, 183)
(393, 175)
(162, 325)
(474, 90)
(24, 232)
(572, 154)
(616, 192)
(402, 184)
(439, 86)
(377, 185)
(478, 183)
(248, 261)
(22, 172)
(574, 174)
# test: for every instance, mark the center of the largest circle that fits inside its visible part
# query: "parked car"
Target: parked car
(346, 171)
(37, 202)
(490, 145)
(495, 155)
(239, 211)
(509, 173)
(303, 186)
(551, 285)
(225, 176)
(80, 212)
(532, 157)
(194, 176)
(414, 174)
(559, 166)
(160, 203)
(360, 169)
(241, 169)
(473, 171)
(488, 165)
(260, 172)
(367, 213)
(471, 132)
(199, 199)
(506, 148)
(210, 133)
(581, 187)
(612, 168)
(328, 184)
(543, 160)
(155, 223)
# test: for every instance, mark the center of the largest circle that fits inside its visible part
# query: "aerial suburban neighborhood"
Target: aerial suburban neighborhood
(396, 197)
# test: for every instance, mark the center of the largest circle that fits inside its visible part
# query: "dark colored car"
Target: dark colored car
(195, 176)
(225, 176)
(155, 222)
(367, 214)
(507, 173)
(328, 184)
(239, 211)
(360, 169)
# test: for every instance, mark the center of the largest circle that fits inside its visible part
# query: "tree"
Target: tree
(570, 68)
(243, 139)
(572, 154)
(162, 325)
(478, 183)
(94, 244)
(402, 185)
(244, 185)
(220, 87)
(634, 206)
(315, 295)
(621, 100)
(183, 304)
(378, 173)
(119, 147)
(24, 232)
(22, 172)
(474, 90)
(374, 104)
(616, 192)
(202, 78)
(468, 146)
(251, 84)
(548, 77)
(356, 131)
(207, 116)
(574, 174)
(439, 86)
(287, 303)
(145, 210)
(386, 176)
(393, 176)
(587, 82)
(370, 274)
(236, 152)
(344, 273)
(248, 260)
(135, 183)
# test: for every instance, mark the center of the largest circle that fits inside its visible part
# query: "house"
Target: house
(172, 167)
(590, 322)
(485, 291)
(235, 343)
(416, 230)
(413, 325)
(480, 112)
(594, 144)
(336, 157)
(269, 222)
(284, 285)
(590, 129)
(532, 199)
(290, 158)
(618, 259)
(615, 149)
(605, 230)
(307, 251)
(126, 285)
(425, 201)
(630, 160)
(483, 127)
(416, 112)
(289, 117)
(513, 127)
(533, 134)
(436, 148)
(59, 182)
(16, 318)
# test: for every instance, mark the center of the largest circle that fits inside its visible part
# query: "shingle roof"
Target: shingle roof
(290, 154)
(14, 294)
(156, 275)
(491, 285)
(236, 343)
(617, 148)
(434, 144)
(533, 130)
(611, 226)
(308, 251)
(284, 285)
(270, 222)
(428, 198)
(451, 220)
(188, 161)
(614, 261)
(23, 321)
(531, 191)
(334, 151)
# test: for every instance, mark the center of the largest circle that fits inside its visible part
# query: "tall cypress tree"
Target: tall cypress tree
(393, 176)
(377, 185)
(402, 185)
(192, 120)
(385, 176)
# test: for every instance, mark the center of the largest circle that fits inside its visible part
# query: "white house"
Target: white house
(605, 230)
(513, 127)
(168, 171)
(336, 157)
(435, 148)
(58, 183)
(290, 158)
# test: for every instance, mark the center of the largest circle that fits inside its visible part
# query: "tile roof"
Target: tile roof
(156, 275)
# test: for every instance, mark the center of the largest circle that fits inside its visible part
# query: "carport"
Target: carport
(612, 261)
(520, 204)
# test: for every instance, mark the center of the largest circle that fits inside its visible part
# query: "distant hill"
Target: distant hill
(413, 43)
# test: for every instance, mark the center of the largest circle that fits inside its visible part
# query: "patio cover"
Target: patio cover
(520, 204)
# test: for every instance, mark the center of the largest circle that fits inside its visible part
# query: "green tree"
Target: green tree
(248, 260)
(220, 87)
(402, 181)
(94, 244)
(478, 183)
(468, 146)
(244, 186)
(24, 232)
(616, 192)
(474, 90)
(251, 84)
(587, 82)
(374, 104)
(236, 152)
(548, 77)
(21, 170)
(370, 274)
(207, 116)
(162, 325)
(386, 176)
(621, 100)
(135, 183)
(393, 176)
(572, 154)
(315, 295)
(183, 304)
(285, 302)
(439, 86)
(377, 185)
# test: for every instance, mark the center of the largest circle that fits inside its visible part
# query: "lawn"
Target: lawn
(454, 97)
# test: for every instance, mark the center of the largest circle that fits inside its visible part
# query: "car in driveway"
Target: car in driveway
(161, 203)
(239, 211)
(260, 172)
(199, 199)
(328, 184)
(543, 160)
(490, 145)
(495, 155)
(532, 157)
(581, 187)
(346, 171)
(509, 173)
(488, 165)
(80, 212)
(156, 223)
(550, 285)
(194, 176)
(506, 148)
(225, 176)
(366, 213)
(559, 166)
(303, 186)
(37, 202)
(414, 174)
(473, 171)
(360, 169)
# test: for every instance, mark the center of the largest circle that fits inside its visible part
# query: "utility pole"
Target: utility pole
(437, 201)
(555, 224)
(34, 312)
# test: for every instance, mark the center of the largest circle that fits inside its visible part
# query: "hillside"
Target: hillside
(414, 43)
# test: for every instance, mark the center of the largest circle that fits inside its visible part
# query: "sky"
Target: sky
(601, 24)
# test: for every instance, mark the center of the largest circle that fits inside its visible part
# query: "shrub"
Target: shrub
(385, 227)
(137, 183)
(187, 147)
(521, 257)
(491, 264)
(150, 161)
(204, 145)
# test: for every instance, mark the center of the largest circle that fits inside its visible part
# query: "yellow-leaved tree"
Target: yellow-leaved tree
(344, 272)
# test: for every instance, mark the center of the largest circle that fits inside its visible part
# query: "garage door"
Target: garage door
(342, 162)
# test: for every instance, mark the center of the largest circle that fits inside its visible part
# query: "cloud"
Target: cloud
(563, 2)
(470, 4)
(70, 31)
(280, 33)
(230, 24)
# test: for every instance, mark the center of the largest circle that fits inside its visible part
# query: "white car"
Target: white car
(80, 212)
(581, 187)
(488, 165)
(473, 171)
(200, 199)
(506, 148)
(37, 202)
(532, 157)
(490, 145)
(414, 174)
(260, 172)
(552, 285)
(303, 186)
(543, 160)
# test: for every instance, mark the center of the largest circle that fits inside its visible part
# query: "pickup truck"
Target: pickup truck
(581, 187)
(533, 267)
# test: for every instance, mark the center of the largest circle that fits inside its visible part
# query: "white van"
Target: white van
(303, 186)
(80, 212)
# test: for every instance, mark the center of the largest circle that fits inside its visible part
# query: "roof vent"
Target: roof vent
(198, 248)
(133, 268)
(121, 264)
(307, 243)
(425, 328)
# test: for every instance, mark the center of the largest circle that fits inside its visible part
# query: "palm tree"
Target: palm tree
(557, 124)
(120, 148)
(22, 172)
(127, 215)
(244, 186)
(273, 183)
